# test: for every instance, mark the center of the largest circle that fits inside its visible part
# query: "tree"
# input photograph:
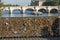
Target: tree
(0, 13)
(57, 2)
(51, 3)
(1, 4)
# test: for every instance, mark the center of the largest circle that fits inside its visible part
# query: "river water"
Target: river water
(27, 14)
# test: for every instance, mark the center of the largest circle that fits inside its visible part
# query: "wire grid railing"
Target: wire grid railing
(16, 37)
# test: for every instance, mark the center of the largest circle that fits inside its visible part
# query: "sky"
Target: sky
(19, 2)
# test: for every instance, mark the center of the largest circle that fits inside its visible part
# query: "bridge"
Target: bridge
(44, 9)
(48, 10)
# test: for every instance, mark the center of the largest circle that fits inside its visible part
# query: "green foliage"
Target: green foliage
(0, 13)
(51, 3)
(11, 5)
(1, 4)
(56, 2)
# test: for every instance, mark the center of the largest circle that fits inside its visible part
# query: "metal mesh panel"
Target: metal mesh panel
(28, 27)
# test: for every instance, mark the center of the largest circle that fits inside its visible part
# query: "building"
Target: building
(37, 2)
(34, 3)
(1, 1)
